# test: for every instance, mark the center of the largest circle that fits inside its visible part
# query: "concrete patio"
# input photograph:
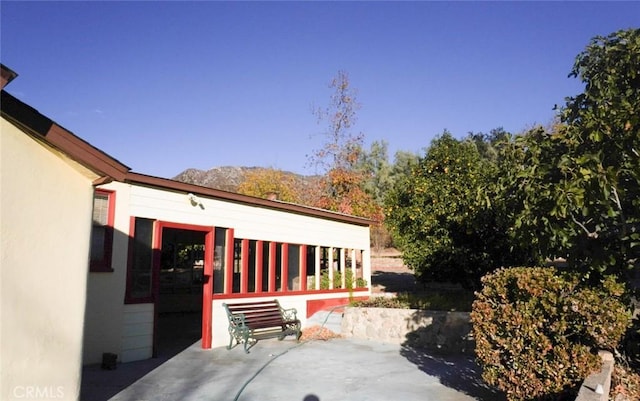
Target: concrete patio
(339, 369)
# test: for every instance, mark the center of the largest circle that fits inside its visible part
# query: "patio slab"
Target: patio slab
(335, 370)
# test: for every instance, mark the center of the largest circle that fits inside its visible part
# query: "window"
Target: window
(237, 265)
(293, 268)
(265, 266)
(219, 260)
(140, 284)
(102, 231)
(252, 266)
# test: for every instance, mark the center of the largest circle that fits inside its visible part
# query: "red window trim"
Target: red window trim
(104, 265)
(284, 267)
(302, 267)
(278, 294)
(228, 276)
(259, 255)
(272, 266)
(244, 269)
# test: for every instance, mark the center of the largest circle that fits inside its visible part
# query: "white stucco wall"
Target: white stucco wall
(45, 224)
(105, 290)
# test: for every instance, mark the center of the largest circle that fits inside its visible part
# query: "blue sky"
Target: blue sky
(165, 86)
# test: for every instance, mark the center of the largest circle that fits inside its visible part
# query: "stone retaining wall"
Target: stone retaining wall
(443, 332)
(596, 386)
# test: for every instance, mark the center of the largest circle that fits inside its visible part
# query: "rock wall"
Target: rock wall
(443, 332)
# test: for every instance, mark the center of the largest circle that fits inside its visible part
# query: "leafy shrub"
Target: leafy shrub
(382, 302)
(337, 280)
(456, 300)
(537, 332)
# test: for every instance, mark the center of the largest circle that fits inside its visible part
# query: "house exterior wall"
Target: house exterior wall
(105, 312)
(137, 332)
(220, 332)
(247, 221)
(133, 339)
(45, 227)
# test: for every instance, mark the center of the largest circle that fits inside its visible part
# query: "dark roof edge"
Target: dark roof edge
(6, 75)
(35, 123)
(165, 183)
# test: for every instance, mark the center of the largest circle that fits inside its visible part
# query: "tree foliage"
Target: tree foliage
(341, 188)
(341, 147)
(376, 170)
(578, 188)
(443, 217)
(262, 183)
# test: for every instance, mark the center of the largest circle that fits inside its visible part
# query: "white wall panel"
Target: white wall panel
(137, 337)
(250, 222)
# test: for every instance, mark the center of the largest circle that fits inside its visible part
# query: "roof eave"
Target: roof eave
(34, 123)
(137, 178)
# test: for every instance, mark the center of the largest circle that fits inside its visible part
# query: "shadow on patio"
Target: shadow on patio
(458, 372)
(179, 332)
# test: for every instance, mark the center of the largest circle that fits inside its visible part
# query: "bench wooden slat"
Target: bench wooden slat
(253, 321)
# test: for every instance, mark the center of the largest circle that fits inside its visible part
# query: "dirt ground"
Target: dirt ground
(389, 274)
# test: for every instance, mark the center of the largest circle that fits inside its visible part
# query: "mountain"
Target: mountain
(228, 178)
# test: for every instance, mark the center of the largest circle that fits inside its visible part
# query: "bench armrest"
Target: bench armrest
(237, 320)
(289, 314)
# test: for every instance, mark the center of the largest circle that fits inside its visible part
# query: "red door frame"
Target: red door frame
(207, 286)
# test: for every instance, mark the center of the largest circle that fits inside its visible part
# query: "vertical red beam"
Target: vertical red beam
(318, 269)
(272, 266)
(228, 266)
(244, 269)
(303, 268)
(258, 264)
(330, 264)
(207, 289)
(285, 267)
(156, 255)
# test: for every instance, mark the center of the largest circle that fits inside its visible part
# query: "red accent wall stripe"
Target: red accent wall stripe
(316, 305)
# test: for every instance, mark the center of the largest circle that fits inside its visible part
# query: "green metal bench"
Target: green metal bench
(250, 322)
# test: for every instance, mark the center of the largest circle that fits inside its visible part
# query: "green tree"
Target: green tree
(443, 219)
(376, 170)
(578, 188)
(488, 144)
(403, 163)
